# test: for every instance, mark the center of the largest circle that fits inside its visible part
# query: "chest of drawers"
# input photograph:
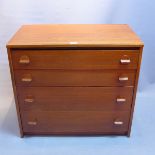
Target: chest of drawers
(75, 79)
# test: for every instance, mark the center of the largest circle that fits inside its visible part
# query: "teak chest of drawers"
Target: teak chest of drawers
(75, 79)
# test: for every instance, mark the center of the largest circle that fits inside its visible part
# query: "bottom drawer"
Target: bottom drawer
(75, 122)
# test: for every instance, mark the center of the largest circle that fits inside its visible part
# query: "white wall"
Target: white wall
(137, 13)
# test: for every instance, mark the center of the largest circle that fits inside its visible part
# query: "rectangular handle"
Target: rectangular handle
(123, 78)
(118, 123)
(29, 100)
(125, 61)
(26, 79)
(120, 99)
(24, 59)
(32, 123)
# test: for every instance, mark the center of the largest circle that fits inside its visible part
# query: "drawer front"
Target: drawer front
(75, 59)
(75, 122)
(75, 98)
(74, 78)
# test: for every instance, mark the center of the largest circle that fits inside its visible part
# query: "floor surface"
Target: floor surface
(142, 140)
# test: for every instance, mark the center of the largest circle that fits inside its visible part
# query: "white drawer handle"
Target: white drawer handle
(32, 123)
(125, 61)
(26, 79)
(123, 78)
(29, 100)
(121, 100)
(24, 59)
(118, 123)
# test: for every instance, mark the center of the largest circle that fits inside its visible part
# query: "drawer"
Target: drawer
(74, 78)
(75, 122)
(75, 59)
(75, 98)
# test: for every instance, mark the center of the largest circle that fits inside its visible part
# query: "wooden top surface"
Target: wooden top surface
(75, 35)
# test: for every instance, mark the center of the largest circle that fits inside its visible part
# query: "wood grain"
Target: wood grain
(74, 77)
(65, 78)
(135, 90)
(75, 98)
(70, 122)
(15, 93)
(75, 35)
(75, 59)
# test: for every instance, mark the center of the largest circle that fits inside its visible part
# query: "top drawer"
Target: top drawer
(75, 59)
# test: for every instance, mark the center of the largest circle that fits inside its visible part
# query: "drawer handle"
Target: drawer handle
(29, 100)
(125, 61)
(32, 122)
(118, 123)
(123, 78)
(24, 60)
(121, 100)
(26, 78)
